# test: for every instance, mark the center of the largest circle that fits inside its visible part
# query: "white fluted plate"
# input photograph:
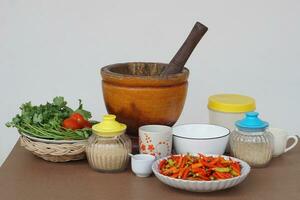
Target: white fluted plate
(203, 186)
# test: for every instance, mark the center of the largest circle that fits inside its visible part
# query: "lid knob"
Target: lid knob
(252, 123)
(252, 114)
(109, 117)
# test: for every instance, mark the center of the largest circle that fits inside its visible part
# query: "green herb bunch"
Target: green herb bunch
(44, 121)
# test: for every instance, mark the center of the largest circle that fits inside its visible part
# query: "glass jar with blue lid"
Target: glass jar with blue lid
(251, 141)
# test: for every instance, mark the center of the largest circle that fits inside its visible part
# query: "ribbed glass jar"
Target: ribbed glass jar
(254, 148)
(108, 154)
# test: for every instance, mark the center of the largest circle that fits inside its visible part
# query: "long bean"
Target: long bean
(62, 132)
(51, 133)
(32, 133)
(43, 133)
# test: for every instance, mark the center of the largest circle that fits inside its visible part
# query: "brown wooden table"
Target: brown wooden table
(24, 176)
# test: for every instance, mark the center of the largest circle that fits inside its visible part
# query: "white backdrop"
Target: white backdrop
(57, 47)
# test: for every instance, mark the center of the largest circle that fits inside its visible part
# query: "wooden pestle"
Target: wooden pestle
(177, 63)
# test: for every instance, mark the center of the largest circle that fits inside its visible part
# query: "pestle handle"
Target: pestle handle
(178, 61)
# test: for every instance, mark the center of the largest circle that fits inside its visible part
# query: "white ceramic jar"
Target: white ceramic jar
(226, 109)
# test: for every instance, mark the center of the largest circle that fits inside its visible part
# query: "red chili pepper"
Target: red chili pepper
(204, 177)
(221, 175)
(180, 174)
(206, 164)
(186, 172)
(172, 170)
(196, 165)
(227, 175)
(183, 162)
(214, 161)
(220, 165)
(175, 175)
(162, 164)
(236, 168)
(180, 161)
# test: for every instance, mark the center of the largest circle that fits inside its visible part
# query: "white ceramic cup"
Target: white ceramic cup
(155, 140)
(281, 138)
(141, 164)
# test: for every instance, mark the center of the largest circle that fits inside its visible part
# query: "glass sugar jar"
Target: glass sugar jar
(251, 141)
(109, 146)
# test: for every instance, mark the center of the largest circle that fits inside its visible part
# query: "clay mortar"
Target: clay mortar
(138, 95)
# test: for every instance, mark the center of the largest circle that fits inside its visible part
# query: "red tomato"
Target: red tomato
(78, 117)
(87, 124)
(70, 123)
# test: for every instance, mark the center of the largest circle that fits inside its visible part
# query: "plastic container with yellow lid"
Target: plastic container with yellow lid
(226, 109)
(109, 146)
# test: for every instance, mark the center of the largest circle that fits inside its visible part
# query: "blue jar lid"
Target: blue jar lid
(251, 123)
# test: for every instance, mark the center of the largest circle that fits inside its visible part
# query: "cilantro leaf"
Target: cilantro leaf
(86, 114)
(59, 101)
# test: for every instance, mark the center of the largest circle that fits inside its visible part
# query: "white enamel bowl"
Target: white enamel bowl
(200, 138)
(202, 186)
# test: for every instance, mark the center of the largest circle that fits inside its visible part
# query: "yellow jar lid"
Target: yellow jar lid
(231, 103)
(109, 127)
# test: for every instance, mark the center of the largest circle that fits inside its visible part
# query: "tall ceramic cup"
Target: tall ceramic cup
(281, 138)
(155, 140)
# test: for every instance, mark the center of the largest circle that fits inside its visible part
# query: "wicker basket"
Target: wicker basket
(62, 152)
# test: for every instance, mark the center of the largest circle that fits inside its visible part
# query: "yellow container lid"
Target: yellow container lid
(231, 103)
(109, 127)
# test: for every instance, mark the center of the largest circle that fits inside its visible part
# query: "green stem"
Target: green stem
(63, 132)
(66, 134)
(48, 133)
(32, 133)
(43, 133)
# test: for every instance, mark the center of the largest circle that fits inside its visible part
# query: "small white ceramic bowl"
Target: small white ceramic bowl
(141, 164)
(200, 138)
